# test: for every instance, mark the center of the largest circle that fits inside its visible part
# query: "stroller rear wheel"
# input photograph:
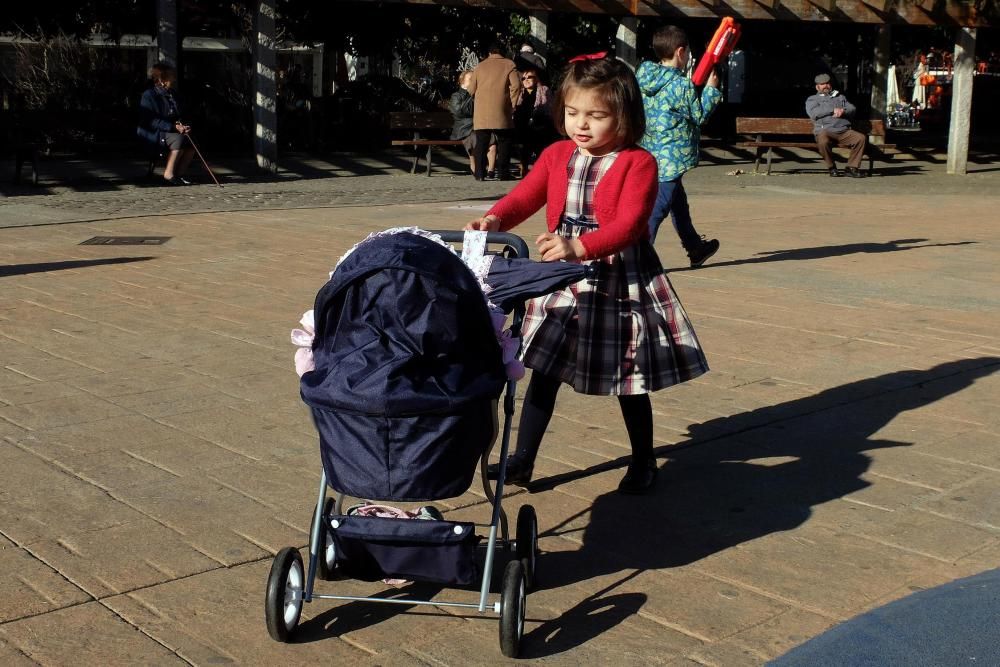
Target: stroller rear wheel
(326, 563)
(283, 600)
(527, 543)
(512, 602)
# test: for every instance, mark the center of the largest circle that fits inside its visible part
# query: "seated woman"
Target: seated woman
(160, 125)
(533, 128)
(460, 106)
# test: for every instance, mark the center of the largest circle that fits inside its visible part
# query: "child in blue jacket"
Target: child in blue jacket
(675, 113)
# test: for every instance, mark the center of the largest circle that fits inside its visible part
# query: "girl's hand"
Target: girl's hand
(713, 79)
(489, 223)
(553, 247)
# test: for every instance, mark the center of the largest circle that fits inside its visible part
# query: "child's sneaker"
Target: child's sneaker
(705, 249)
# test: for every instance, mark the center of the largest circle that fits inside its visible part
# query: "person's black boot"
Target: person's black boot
(702, 252)
(854, 172)
(519, 470)
(834, 171)
(639, 477)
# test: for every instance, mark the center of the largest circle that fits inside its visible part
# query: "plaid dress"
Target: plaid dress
(623, 332)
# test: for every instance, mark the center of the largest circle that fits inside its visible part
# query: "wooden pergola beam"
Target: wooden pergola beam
(953, 13)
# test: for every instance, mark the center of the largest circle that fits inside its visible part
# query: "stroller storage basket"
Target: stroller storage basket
(371, 548)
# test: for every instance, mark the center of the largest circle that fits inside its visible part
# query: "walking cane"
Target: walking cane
(207, 168)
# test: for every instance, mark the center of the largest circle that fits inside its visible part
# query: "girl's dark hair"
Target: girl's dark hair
(617, 87)
(667, 40)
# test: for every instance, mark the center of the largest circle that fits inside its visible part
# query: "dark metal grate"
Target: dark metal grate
(127, 240)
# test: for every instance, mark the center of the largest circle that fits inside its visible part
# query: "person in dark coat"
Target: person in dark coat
(533, 126)
(461, 107)
(160, 124)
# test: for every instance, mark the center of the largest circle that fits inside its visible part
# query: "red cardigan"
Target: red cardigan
(623, 200)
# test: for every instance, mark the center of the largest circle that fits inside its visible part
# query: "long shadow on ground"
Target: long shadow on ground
(712, 496)
(822, 252)
(45, 267)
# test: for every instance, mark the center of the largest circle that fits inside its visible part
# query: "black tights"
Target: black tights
(540, 400)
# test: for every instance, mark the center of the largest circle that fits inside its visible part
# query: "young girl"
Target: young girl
(623, 333)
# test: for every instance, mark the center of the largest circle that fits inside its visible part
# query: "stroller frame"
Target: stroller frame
(287, 590)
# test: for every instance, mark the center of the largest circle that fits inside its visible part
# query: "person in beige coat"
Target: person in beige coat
(495, 84)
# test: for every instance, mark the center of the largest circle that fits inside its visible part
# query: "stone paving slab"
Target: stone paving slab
(30, 587)
(87, 632)
(840, 454)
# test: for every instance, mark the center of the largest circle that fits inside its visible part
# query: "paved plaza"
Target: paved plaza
(154, 453)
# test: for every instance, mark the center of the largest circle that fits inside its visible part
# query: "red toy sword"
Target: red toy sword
(722, 44)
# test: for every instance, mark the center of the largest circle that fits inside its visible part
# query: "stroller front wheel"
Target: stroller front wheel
(513, 596)
(283, 600)
(527, 543)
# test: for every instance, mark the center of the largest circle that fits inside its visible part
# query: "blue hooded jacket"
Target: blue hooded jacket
(674, 116)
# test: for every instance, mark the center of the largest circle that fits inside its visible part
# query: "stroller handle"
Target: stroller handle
(513, 240)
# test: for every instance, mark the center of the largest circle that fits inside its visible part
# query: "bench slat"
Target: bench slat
(426, 142)
(747, 125)
(432, 120)
(777, 144)
(882, 148)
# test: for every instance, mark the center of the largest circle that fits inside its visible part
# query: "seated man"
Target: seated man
(831, 115)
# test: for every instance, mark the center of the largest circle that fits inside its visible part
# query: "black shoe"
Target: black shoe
(491, 176)
(705, 249)
(854, 172)
(639, 477)
(175, 181)
(518, 471)
(834, 171)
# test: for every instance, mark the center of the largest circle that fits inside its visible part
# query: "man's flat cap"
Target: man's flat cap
(822, 78)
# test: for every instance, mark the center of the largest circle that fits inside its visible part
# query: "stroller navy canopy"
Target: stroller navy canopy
(407, 372)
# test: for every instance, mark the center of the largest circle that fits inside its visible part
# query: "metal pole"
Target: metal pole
(315, 538)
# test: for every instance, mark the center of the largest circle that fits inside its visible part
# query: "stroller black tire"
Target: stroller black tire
(283, 599)
(326, 563)
(513, 596)
(527, 543)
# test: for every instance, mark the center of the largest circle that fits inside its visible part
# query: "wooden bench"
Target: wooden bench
(437, 124)
(771, 133)
(25, 153)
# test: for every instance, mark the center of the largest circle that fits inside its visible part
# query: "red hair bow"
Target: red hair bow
(589, 56)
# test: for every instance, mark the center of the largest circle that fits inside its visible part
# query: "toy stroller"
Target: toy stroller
(408, 373)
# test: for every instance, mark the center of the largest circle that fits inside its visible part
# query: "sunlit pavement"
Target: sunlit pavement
(841, 453)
